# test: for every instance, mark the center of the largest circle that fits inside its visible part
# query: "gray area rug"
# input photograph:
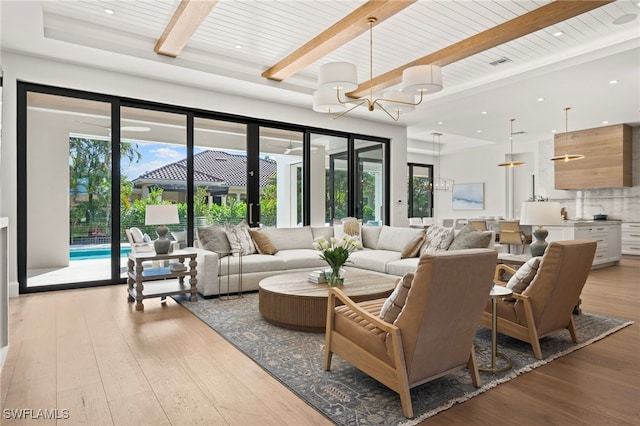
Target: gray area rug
(349, 397)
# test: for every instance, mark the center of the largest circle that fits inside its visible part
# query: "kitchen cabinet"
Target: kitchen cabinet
(607, 234)
(631, 238)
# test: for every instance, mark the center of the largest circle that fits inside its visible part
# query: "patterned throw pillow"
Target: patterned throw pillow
(239, 239)
(412, 248)
(262, 242)
(524, 275)
(213, 238)
(395, 302)
(469, 238)
(438, 239)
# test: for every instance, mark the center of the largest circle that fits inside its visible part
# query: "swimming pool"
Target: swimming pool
(102, 251)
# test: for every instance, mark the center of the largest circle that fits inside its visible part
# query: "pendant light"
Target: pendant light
(566, 157)
(511, 163)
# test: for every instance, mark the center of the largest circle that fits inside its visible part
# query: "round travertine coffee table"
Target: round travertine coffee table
(291, 301)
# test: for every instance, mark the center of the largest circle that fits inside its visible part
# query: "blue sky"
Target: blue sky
(154, 155)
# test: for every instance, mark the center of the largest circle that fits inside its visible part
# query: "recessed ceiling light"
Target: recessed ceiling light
(558, 33)
(484, 112)
(605, 122)
(613, 81)
(478, 131)
(540, 99)
(109, 11)
(440, 122)
(553, 131)
(238, 46)
(624, 19)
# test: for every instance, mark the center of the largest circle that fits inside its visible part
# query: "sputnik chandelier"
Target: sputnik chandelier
(440, 183)
(337, 79)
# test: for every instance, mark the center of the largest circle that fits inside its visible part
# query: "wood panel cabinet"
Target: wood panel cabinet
(606, 234)
(607, 162)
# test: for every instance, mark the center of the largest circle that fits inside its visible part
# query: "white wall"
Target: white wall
(25, 68)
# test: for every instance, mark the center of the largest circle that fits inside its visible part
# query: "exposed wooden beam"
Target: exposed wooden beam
(335, 36)
(530, 22)
(184, 22)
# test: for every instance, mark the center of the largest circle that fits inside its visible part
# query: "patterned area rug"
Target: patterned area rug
(349, 397)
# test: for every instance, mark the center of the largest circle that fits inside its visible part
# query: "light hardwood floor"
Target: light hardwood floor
(88, 351)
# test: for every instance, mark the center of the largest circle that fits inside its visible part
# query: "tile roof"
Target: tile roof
(210, 166)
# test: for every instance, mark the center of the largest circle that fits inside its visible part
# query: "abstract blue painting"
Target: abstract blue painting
(468, 196)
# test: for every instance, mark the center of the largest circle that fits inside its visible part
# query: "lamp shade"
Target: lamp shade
(540, 213)
(391, 100)
(341, 75)
(161, 214)
(327, 101)
(425, 78)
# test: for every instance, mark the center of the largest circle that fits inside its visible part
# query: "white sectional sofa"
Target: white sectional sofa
(381, 253)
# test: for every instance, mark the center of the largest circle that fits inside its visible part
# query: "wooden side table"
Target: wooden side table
(170, 279)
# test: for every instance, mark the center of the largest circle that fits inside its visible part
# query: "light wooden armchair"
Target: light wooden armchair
(432, 336)
(547, 303)
(510, 233)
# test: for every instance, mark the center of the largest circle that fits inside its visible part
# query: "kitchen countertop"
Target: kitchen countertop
(579, 222)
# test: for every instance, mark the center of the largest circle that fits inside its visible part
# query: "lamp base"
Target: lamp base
(539, 246)
(162, 244)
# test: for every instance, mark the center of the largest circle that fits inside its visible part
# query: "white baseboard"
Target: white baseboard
(14, 289)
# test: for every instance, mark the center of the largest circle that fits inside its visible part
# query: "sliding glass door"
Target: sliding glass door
(370, 182)
(68, 195)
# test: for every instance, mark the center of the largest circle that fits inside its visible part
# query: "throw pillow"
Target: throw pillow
(348, 227)
(179, 236)
(395, 302)
(412, 248)
(146, 238)
(262, 242)
(524, 275)
(213, 238)
(239, 239)
(136, 234)
(469, 238)
(439, 238)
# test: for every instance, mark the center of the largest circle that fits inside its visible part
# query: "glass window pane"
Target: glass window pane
(329, 194)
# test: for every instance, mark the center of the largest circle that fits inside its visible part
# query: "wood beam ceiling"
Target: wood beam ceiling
(335, 36)
(530, 22)
(185, 21)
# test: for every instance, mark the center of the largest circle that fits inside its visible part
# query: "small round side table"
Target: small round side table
(495, 293)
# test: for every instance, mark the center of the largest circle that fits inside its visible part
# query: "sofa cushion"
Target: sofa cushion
(290, 238)
(322, 231)
(412, 248)
(370, 235)
(524, 275)
(439, 238)
(395, 238)
(469, 238)
(213, 238)
(402, 266)
(301, 259)
(395, 302)
(239, 239)
(252, 263)
(262, 242)
(372, 260)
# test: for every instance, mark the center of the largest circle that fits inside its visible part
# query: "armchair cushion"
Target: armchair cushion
(395, 302)
(524, 275)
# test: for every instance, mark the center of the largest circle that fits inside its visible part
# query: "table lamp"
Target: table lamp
(540, 213)
(161, 215)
